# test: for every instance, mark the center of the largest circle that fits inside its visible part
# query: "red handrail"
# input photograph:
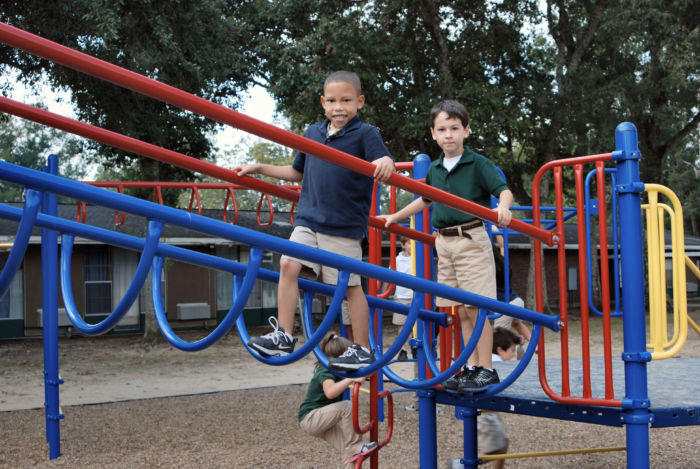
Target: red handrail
(372, 425)
(557, 166)
(109, 72)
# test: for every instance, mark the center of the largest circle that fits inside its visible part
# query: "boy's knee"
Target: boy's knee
(289, 267)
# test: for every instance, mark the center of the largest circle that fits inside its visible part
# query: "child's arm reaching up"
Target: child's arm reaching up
(334, 389)
(411, 209)
(287, 173)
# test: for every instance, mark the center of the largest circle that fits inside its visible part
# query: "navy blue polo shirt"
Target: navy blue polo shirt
(474, 178)
(336, 200)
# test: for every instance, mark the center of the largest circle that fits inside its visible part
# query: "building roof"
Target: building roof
(135, 225)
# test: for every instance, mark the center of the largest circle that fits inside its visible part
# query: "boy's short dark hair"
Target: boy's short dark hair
(503, 338)
(403, 239)
(345, 76)
(453, 109)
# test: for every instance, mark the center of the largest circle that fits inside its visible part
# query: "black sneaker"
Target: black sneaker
(403, 356)
(453, 382)
(366, 449)
(354, 358)
(480, 380)
(274, 344)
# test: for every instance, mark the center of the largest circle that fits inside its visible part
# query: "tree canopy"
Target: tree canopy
(197, 46)
(541, 79)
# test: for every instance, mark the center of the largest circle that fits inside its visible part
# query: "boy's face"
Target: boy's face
(508, 354)
(449, 133)
(341, 101)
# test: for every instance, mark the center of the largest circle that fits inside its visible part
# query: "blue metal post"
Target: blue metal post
(427, 423)
(469, 415)
(49, 304)
(635, 405)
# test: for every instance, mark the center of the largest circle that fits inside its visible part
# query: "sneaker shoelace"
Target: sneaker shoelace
(277, 334)
(349, 352)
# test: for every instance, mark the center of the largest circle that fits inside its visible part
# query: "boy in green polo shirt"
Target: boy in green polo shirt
(465, 258)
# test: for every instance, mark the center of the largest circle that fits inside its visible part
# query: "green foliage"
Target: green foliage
(540, 85)
(29, 144)
(197, 46)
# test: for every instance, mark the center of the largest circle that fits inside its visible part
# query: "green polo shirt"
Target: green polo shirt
(474, 178)
(315, 397)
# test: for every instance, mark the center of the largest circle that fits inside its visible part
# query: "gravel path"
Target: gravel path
(256, 428)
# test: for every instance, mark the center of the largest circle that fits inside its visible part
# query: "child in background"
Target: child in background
(508, 322)
(403, 295)
(324, 414)
(332, 215)
(492, 438)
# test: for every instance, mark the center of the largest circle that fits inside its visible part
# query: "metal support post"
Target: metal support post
(635, 413)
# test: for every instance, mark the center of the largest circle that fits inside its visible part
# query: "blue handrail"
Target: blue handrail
(126, 203)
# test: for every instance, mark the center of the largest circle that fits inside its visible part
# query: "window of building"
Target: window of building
(98, 281)
(12, 302)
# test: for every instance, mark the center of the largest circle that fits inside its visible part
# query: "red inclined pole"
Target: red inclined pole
(103, 70)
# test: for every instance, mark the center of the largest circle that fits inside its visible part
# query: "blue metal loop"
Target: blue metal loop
(311, 342)
(381, 360)
(255, 259)
(518, 370)
(615, 284)
(461, 360)
(155, 228)
(32, 202)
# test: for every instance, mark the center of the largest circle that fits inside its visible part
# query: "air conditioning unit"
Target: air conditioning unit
(189, 311)
(62, 318)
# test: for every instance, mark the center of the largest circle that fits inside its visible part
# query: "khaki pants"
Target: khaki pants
(333, 423)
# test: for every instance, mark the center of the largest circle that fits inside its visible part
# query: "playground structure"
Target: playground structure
(533, 395)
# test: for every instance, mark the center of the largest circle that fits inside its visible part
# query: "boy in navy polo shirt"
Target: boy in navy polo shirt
(332, 214)
(465, 258)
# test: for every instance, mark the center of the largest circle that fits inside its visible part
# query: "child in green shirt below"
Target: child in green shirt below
(465, 257)
(324, 413)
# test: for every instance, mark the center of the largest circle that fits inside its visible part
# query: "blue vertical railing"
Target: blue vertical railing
(635, 405)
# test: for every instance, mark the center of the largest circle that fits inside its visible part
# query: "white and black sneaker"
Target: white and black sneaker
(274, 344)
(354, 358)
(454, 382)
(364, 450)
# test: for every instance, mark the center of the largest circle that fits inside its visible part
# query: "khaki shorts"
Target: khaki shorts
(349, 247)
(466, 264)
(507, 322)
(490, 433)
(400, 319)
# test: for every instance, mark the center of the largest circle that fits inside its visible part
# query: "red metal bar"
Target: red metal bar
(117, 222)
(81, 215)
(604, 278)
(539, 281)
(269, 206)
(194, 194)
(583, 281)
(108, 72)
(563, 299)
(231, 194)
(168, 156)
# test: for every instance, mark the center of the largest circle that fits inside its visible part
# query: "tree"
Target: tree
(28, 144)
(197, 46)
(540, 85)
